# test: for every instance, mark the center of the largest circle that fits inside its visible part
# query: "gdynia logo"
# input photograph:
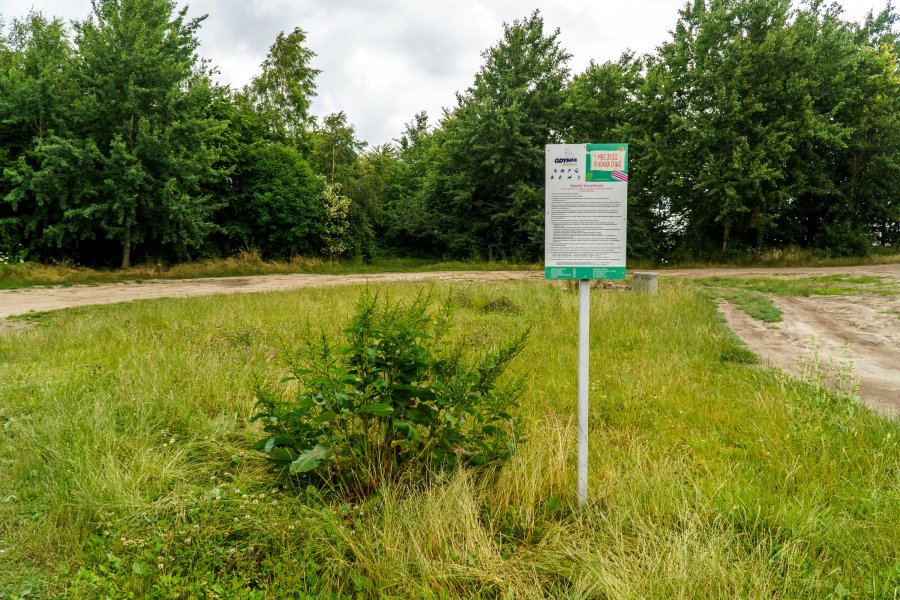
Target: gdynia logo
(566, 159)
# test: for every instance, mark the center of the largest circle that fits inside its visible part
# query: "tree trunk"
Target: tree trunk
(726, 233)
(126, 249)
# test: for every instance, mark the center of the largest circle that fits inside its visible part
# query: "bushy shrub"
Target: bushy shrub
(283, 202)
(842, 238)
(394, 399)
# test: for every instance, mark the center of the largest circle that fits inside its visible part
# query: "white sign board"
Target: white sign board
(585, 211)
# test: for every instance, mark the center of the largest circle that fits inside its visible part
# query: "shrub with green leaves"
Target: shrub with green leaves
(394, 399)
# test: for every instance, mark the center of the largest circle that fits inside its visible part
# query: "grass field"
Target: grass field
(125, 469)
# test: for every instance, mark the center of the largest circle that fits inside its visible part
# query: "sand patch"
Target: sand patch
(845, 339)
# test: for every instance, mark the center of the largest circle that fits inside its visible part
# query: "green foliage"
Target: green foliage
(604, 104)
(335, 148)
(729, 81)
(407, 223)
(145, 105)
(768, 125)
(391, 401)
(336, 208)
(37, 94)
(284, 213)
(758, 125)
(108, 145)
(282, 92)
(352, 200)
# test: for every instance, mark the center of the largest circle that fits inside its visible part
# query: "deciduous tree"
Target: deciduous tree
(484, 188)
(144, 101)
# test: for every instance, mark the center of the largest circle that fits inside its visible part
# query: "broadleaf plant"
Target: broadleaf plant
(393, 399)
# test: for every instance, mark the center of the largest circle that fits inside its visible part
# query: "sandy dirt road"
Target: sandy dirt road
(857, 336)
(18, 302)
(850, 342)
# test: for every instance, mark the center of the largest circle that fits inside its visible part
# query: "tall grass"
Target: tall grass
(125, 467)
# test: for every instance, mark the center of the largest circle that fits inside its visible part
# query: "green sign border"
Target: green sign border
(605, 176)
(584, 272)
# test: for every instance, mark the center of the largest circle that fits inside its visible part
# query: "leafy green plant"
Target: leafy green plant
(394, 399)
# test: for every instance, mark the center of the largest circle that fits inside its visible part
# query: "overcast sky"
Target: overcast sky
(382, 61)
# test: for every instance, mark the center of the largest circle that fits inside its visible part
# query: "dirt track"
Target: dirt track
(17, 302)
(859, 334)
(849, 341)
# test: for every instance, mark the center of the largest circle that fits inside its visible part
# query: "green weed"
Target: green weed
(394, 400)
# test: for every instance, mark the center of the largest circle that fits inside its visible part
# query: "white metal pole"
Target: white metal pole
(584, 317)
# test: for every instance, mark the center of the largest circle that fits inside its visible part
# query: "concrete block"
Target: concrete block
(645, 281)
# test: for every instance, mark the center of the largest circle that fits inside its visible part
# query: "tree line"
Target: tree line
(755, 126)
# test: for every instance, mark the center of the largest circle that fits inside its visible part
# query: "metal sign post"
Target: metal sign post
(586, 199)
(584, 329)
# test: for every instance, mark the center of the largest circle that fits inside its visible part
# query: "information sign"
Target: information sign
(585, 224)
(585, 211)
